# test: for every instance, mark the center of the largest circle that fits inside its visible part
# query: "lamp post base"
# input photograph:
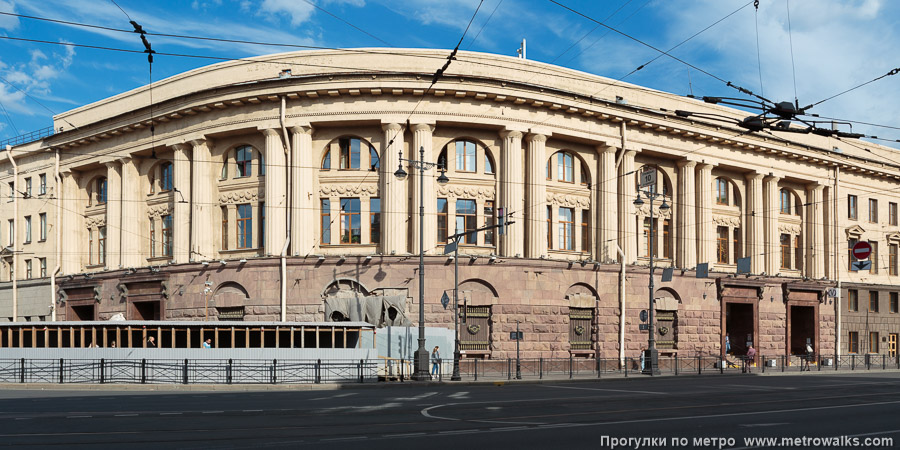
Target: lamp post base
(421, 365)
(651, 362)
(455, 376)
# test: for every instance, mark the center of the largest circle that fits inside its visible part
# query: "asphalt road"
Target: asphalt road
(591, 414)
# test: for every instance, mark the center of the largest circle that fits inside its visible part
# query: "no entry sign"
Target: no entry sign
(862, 250)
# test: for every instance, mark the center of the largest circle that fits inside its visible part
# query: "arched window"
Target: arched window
(350, 153)
(442, 160)
(721, 191)
(465, 156)
(243, 157)
(374, 160)
(326, 161)
(165, 176)
(585, 178)
(565, 167)
(262, 164)
(785, 201)
(547, 170)
(488, 163)
(101, 190)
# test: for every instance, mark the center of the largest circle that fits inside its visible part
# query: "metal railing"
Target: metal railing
(25, 138)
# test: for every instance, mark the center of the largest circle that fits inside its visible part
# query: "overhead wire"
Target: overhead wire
(791, 41)
(348, 23)
(758, 57)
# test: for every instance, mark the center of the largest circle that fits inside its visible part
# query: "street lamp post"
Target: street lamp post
(421, 356)
(651, 358)
(455, 376)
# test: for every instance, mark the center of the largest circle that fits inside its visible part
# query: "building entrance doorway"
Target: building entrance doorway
(803, 329)
(145, 310)
(739, 325)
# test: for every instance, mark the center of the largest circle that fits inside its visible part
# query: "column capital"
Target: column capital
(534, 137)
(391, 127)
(705, 166)
(301, 129)
(604, 148)
(183, 147)
(815, 186)
(111, 164)
(198, 142)
(423, 126)
(268, 132)
(125, 159)
(630, 152)
(686, 163)
(513, 134)
(754, 176)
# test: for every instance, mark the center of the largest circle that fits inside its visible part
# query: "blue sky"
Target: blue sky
(837, 44)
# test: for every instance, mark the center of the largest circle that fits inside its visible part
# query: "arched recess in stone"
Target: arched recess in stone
(229, 301)
(583, 325)
(345, 287)
(479, 300)
(667, 303)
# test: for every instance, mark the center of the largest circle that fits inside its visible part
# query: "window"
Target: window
(12, 191)
(43, 219)
(851, 207)
(101, 190)
(566, 229)
(785, 201)
(101, 246)
(167, 235)
(27, 187)
(465, 157)
(547, 169)
(375, 220)
(853, 342)
(852, 300)
(722, 245)
(785, 251)
(27, 229)
(12, 233)
(488, 221)
(326, 161)
(350, 225)
(166, 177)
(374, 160)
(585, 178)
(874, 257)
(873, 301)
(892, 213)
(647, 243)
(222, 176)
(549, 227)
(152, 238)
(243, 158)
(873, 342)
(245, 226)
(721, 191)
(586, 230)
(893, 303)
(738, 253)
(325, 221)
(850, 243)
(465, 220)
(892, 259)
(262, 225)
(565, 167)
(43, 263)
(873, 210)
(28, 269)
(442, 220)
(798, 253)
(488, 163)
(224, 227)
(90, 247)
(262, 164)
(350, 148)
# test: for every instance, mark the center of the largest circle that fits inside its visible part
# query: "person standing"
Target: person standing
(207, 343)
(751, 358)
(727, 344)
(809, 355)
(435, 361)
(151, 342)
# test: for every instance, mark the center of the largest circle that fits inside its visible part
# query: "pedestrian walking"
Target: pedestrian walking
(809, 356)
(751, 358)
(435, 361)
(727, 344)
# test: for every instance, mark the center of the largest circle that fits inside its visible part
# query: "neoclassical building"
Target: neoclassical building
(264, 189)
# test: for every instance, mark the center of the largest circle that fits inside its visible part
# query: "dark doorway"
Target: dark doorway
(82, 312)
(803, 327)
(145, 310)
(739, 326)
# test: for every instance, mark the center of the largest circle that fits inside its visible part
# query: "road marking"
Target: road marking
(348, 438)
(557, 425)
(170, 414)
(508, 428)
(212, 412)
(418, 397)
(754, 425)
(459, 395)
(606, 390)
(762, 388)
(252, 410)
(24, 418)
(473, 430)
(403, 435)
(493, 407)
(333, 396)
(78, 417)
(125, 415)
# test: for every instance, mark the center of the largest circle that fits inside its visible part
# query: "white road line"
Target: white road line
(762, 388)
(212, 412)
(349, 438)
(508, 428)
(24, 418)
(403, 435)
(459, 395)
(252, 410)
(78, 417)
(170, 414)
(473, 430)
(606, 390)
(125, 415)
(333, 396)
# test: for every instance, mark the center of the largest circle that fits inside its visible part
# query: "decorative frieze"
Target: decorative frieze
(238, 197)
(95, 221)
(339, 190)
(158, 211)
(789, 228)
(727, 221)
(644, 211)
(476, 192)
(569, 201)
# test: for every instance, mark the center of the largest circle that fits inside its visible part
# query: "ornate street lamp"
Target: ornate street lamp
(651, 358)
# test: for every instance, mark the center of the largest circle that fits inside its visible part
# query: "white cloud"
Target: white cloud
(8, 22)
(298, 11)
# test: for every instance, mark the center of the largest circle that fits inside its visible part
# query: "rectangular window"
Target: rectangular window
(167, 178)
(12, 233)
(873, 342)
(224, 228)
(465, 157)
(167, 235)
(101, 246)
(785, 201)
(325, 221)
(853, 342)
(27, 187)
(28, 272)
(667, 250)
(350, 224)
(850, 243)
(873, 301)
(851, 207)
(152, 238)
(722, 245)
(893, 306)
(565, 165)
(43, 220)
(262, 225)
(852, 300)
(43, 262)
(27, 229)
(442, 220)
(549, 227)
(874, 257)
(721, 191)
(586, 230)
(245, 226)
(647, 241)
(349, 153)
(90, 247)
(566, 229)
(873, 210)
(375, 220)
(785, 251)
(892, 213)
(488, 221)
(738, 253)
(465, 220)
(43, 183)
(892, 259)
(798, 253)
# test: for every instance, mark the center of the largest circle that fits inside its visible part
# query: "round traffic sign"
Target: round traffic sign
(862, 250)
(643, 315)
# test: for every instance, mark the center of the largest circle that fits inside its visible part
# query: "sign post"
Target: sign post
(861, 252)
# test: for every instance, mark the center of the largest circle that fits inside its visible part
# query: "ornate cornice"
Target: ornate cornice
(157, 211)
(727, 221)
(362, 190)
(477, 192)
(238, 197)
(569, 201)
(790, 228)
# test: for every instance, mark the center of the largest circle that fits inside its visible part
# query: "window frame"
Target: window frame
(101, 246)
(374, 220)
(586, 230)
(852, 207)
(874, 341)
(102, 185)
(722, 241)
(463, 159)
(786, 250)
(785, 201)
(442, 220)
(43, 265)
(722, 194)
(350, 221)
(42, 219)
(469, 220)
(167, 235)
(152, 238)
(853, 342)
(852, 300)
(42, 184)
(487, 215)
(27, 187)
(566, 228)
(244, 226)
(27, 230)
(224, 212)
(892, 259)
(873, 210)
(243, 167)
(565, 167)
(325, 221)
(346, 153)
(893, 301)
(873, 301)
(892, 213)
(166, 177)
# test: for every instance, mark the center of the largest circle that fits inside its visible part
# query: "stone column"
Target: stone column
(133, 229)
(395, 195)
(605, 211)
(276, 192)
(114, 215)
(536, 196)
(754, 247)
(770, 217)
(814, 239)
(422, 139)
(705, 236)
(203, 202)
(512, 193)
(74, 244)
(828, 230)
(687, 219)
(627, 222)
(303, 199)
(181, 222)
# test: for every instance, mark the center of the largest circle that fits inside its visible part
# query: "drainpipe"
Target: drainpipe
(287, 238)
(15, 237)
(837, 268)
(58, 240)
(623, 140)
(621, 305)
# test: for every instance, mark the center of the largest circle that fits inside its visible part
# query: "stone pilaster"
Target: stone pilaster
(627, 221)
(395, 217)
(705, 236)
(276, 192)
(74, 254)
(814, 239)
(114, 214)
(181, 222)
(303, 199)
(770, 217)
(606, 213)
(421, 138)
(133, 229)
(536, 196)
(687, 220)
(755, 243)
(512, 193)
(203, 202)
(828, 230)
